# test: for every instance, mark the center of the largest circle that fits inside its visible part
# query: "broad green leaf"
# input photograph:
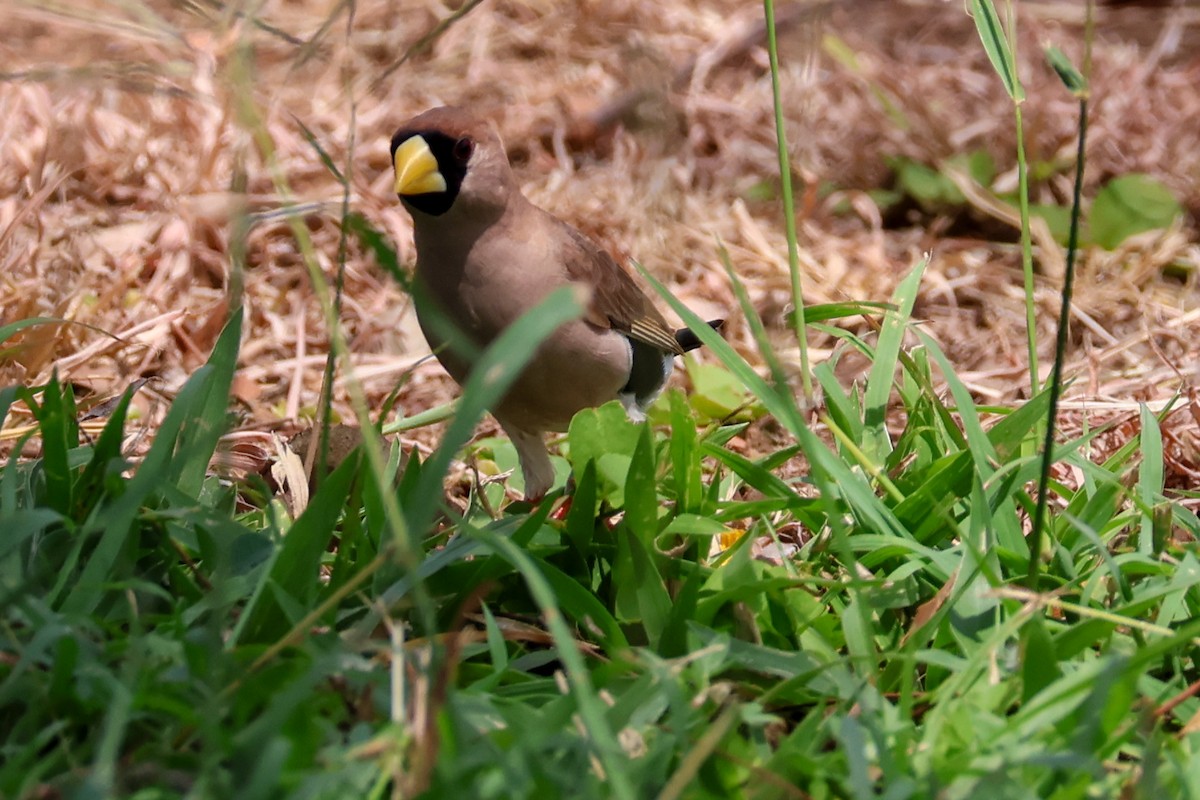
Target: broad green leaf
(1128, 205)
(933, 190)
(595, 432)
(1057, 219)
(198, 438)
(716, 392)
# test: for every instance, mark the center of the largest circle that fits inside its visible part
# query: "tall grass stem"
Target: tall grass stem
(789, 205)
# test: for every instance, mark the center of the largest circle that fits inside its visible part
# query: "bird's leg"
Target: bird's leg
(535, 460)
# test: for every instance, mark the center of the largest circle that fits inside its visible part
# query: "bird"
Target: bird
(486, 254)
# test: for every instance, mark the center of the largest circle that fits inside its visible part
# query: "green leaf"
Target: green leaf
(996, 45)
(1129, 205)
(1039, 661)
(876, 441)
(583, 606)
(606, 436)
(843, 407)
(1150, 480)
(1066, 71)
(823, 312)
(673, 640)
(189, 421)
(932, 190)
(60, 435)
(106, 455)
(716, 392)
(7, 331)
(754, 474)
(641, 595)
(685, 458)
(1019, 428)
(926, 509)
(18, 525)
(206, 424)
(589, 704)
(641, 495)
(581, 519)
(777, 400)
(979, 165)
(1057, 219)
(295, 573)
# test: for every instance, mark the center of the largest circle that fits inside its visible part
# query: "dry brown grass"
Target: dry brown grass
(127, 150)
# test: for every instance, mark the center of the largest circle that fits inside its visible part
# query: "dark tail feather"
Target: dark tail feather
(690, 341)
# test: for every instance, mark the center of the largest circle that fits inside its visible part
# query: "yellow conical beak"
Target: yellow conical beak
(417, 169)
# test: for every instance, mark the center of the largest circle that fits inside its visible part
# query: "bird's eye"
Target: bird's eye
(463, 149)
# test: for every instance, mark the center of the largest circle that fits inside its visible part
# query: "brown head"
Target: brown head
(447, 159)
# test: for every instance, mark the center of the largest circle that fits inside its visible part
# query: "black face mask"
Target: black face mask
(452, 157)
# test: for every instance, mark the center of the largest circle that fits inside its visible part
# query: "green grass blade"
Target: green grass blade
(591, 710)
(1150, 479)
(90, 488)
(686, 477)
(197, 399)
(198, 440)
(294, 577)
(996, 45)
(789, 204)
(775, 399)
(876, 442)
(56, 417)
(12, 328)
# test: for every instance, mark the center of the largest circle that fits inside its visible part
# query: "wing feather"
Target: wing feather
(617, 301)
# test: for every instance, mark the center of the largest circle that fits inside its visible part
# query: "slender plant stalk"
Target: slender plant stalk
(789, 205)
(1064, 318)
(1026, 252)
(1023, 207)
(1000, 43)
(325, 402)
